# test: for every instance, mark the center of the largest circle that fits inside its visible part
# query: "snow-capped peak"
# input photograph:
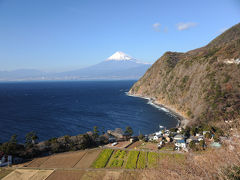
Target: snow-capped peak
(120, 56)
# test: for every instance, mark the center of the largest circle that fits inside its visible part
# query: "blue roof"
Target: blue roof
(180, 141)
(216, 145)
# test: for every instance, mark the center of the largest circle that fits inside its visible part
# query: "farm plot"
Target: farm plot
(38, 161)
(66, 174)
(152, 160)
(88, 159)
(65, 160)
(178, 158)
(117, 159)
(28, 174)
(142, 160)
(103, 158)
(132, 160)
(4, 172)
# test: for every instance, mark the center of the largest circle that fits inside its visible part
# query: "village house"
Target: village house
(180, 144)
(5, 160)
(205, 132)
(178, 137)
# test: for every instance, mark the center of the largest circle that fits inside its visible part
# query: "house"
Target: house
(133, 139)
(158, 133)
(179, 137)
(215, 145)
(180, 144)
(168, 139)
(160, 144)
(179, 130)
(150, 137)
(155, 138)
(200, 138)
(5, 160)
(205, 132)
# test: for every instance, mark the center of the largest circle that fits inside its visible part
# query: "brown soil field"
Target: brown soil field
(4, 172)
(149, 145)
(122, 144)
(23, 174)
(64, 160)
(88, 159)
(112, 174)
(66, 175)
(135, 144)
(38, 161)
(96, 175)
(131, 175)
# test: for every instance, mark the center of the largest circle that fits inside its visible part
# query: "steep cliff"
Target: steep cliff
(202, 84)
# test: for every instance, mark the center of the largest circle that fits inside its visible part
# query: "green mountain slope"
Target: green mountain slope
(202, 84)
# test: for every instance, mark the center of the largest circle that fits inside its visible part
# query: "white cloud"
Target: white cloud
(156, 27)
(159, 28)
(185, 26)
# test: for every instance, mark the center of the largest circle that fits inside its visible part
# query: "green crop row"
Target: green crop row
(132, 160)
(152, 159)
(103, 158)
(117, 163)
(142, 160)
(120, 154)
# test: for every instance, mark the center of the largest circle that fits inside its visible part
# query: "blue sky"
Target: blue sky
(58, 35)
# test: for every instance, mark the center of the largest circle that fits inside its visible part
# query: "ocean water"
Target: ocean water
(53, 109)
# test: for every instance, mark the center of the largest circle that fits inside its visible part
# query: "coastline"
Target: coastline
(182, 121)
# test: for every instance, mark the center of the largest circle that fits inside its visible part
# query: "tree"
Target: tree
(95, 132)
(208, 135)
(129, 131)
(202, 144)
(13, 139)
(192, 145)
(31, 138)
(141, 136)
(11, 146)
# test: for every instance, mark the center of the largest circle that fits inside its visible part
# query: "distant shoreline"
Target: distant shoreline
(182, 121)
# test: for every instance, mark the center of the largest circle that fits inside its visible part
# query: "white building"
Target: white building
(6, 160)
(178, 137)
(180, 144)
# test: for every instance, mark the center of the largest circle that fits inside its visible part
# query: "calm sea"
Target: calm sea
(55, 109)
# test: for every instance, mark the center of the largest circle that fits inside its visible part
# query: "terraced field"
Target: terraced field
(103, 158)
(113, 164)
(118, 158)
(124, 159)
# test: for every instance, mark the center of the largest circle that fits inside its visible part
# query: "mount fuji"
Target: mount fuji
(117, 66)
